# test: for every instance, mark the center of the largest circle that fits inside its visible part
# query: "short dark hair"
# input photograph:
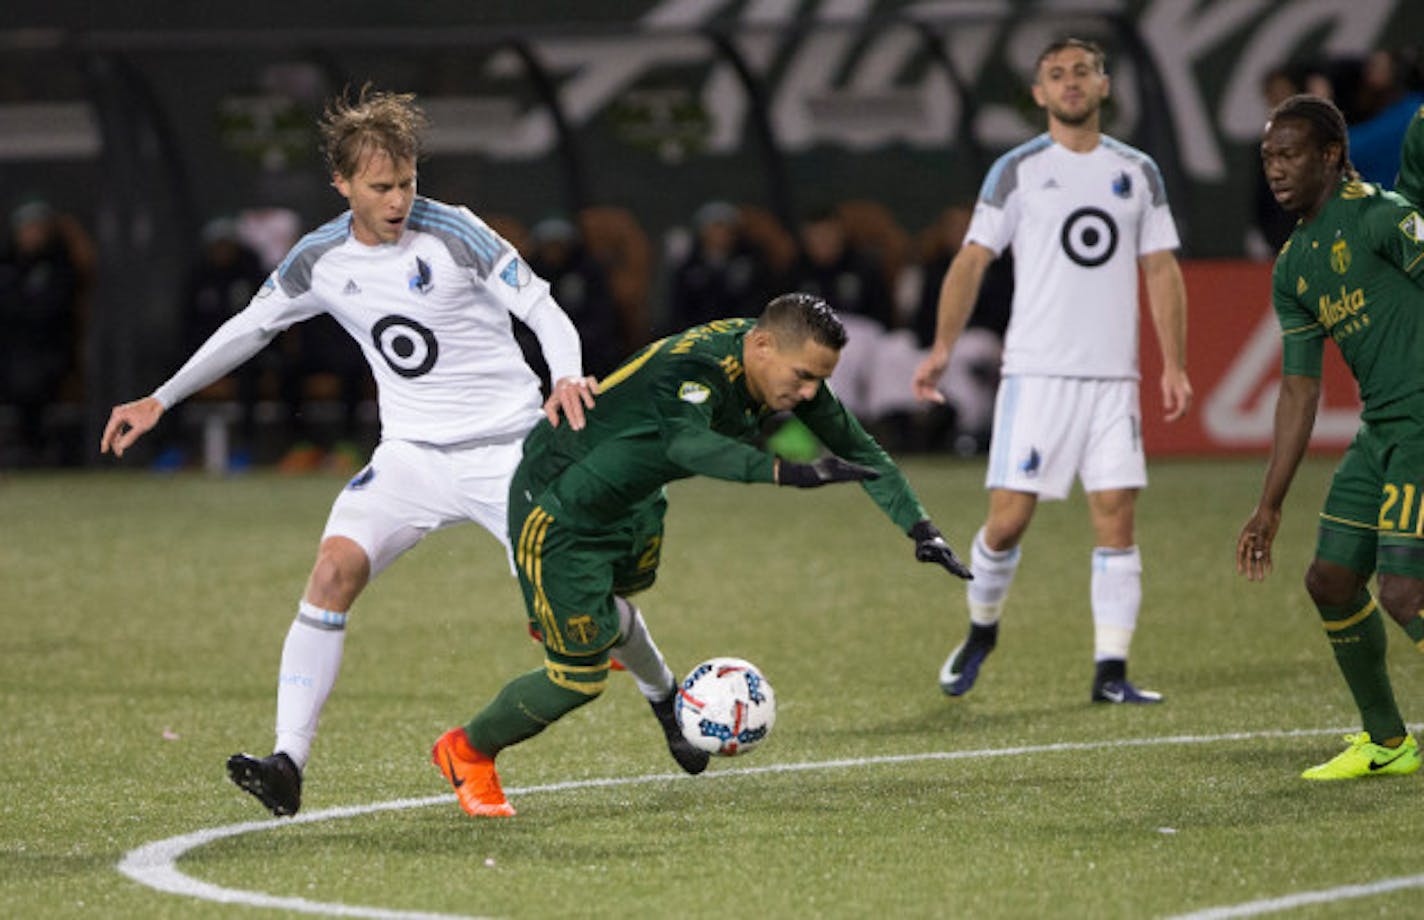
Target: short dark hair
(376, 120)
(1100, 58)
(1326, 123)
(794, 318)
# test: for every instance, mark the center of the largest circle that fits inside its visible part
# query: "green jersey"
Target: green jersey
(1355, 273)
(1410, 182)
(680, 408)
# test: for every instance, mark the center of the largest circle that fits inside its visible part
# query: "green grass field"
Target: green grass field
(141, 620)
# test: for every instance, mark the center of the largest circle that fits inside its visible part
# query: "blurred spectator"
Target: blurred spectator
(873, 231)
(939, 243)
(855, 287)
(330, 371)
(972, 379)
(220, 283)
(41, 283)
(619, 243)
(1384, 107)
(724, 274)
(580, 286)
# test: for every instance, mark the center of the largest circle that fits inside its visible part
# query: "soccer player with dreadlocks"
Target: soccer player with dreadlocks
(1353, 271)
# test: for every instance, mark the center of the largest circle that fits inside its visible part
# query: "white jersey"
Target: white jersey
(430, 311)
(1077, 223)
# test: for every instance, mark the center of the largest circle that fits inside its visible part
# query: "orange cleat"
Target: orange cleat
(472, 774)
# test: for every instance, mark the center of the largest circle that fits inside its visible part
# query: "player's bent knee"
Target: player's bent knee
(340, 572)
(1401, 596)
(1330, 584)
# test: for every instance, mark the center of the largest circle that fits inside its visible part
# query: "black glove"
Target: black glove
(930, 547)
(829, 468)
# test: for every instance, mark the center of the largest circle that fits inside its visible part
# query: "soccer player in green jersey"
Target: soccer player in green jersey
(1352, 271)
(586, 512)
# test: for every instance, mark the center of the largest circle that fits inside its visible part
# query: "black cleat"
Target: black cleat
(961, 668)
(274, 781)
(1110, 685)
(693, 760)
(1122, 691)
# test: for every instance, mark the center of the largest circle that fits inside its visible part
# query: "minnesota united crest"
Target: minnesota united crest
(420, 279)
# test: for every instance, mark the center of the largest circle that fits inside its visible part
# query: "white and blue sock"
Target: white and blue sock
(1117, 597)
(993, 574)
(311, 659)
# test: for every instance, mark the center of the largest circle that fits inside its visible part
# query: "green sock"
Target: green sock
(1357, 637)
(525, 707)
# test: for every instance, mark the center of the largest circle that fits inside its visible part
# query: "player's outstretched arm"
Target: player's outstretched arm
(930, 546)
(571, 396)
(1296, 404)
(128, 422)
(824, 471)
(956, 300)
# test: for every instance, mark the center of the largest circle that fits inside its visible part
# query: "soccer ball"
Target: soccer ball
(725, 706)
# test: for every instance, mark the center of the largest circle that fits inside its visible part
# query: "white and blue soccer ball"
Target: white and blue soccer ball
(726, 706)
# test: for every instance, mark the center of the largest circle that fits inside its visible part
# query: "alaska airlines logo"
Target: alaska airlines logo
(1339, 257)
(1343, 309)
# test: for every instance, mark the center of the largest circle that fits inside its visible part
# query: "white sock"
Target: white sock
(993, 573)
(637, 652)
(311, 659)
(1117, 596)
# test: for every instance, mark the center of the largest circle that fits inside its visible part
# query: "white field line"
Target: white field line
(1304, 899)
(155, 864)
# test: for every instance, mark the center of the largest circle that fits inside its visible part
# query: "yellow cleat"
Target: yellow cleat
(472, 774)
(1365, 758)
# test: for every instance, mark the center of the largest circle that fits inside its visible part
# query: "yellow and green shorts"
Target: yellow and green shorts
(1374, 513)
(570, 575)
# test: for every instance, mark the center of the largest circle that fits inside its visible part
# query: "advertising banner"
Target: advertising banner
(1234, 360)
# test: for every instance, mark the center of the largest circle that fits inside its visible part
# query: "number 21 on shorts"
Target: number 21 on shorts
(1401, 511)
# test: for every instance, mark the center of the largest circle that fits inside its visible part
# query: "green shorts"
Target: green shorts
(570, 576)
(1374, 514)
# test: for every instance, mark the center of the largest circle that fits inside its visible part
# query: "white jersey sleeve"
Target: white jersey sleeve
(1077, 222)
(558, 339)
(271, 310)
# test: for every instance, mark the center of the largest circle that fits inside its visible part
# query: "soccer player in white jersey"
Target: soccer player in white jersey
(1082, 212)
(427, 290)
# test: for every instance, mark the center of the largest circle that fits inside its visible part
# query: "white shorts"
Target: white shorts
(409, 490)
(1049, 429)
